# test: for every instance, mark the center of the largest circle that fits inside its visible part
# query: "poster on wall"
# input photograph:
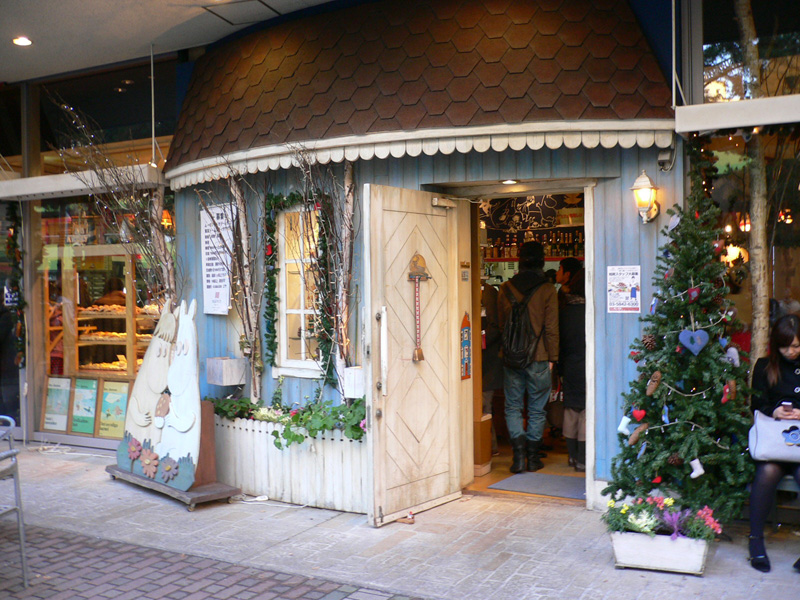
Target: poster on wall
(217, 234)
(112, 412)
(56, 407)
(624, 287)
(84, 406)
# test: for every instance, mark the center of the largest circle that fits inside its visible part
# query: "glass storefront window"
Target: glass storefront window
(98, 318)
(778, 28)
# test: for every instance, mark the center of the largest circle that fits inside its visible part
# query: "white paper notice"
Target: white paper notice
(624, 289)
(216, 260)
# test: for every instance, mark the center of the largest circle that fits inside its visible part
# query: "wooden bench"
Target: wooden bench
(787, 484)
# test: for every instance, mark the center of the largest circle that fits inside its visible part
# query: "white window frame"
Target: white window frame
(285, 366)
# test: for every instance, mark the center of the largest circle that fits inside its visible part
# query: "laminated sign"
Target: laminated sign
(624, 289)
(217, 238)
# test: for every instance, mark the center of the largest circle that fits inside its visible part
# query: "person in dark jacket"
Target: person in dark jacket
(776, 393)
(492, 369)
(572, 360)
(536, 377)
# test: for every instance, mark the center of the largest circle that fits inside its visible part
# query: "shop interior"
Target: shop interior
(557, 222)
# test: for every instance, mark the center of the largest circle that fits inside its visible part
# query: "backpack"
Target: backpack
(519, 338)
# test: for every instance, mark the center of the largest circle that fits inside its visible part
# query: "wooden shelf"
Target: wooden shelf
(515, 259)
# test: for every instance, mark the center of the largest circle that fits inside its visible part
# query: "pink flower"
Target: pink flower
(134, 448)
(293, 412)
(363, 424)
(149, 462)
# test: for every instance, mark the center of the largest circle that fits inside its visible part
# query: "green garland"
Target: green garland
(273, 204)
(14, 254)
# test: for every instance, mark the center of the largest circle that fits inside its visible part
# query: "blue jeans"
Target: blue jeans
(536, 379)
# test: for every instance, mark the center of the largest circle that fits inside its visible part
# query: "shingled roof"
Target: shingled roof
(400, 66)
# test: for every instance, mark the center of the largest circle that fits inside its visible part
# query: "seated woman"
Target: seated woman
(776, 393)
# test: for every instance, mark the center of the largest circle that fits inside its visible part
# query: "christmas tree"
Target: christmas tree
(685, 419)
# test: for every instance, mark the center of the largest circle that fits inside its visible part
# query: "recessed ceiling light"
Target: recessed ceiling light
(127, 82)
(120, 90)
(22, 41)
(509, 181)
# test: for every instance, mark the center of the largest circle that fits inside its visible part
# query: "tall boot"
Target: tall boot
(534, 456)
(518, 447)
(580, 457)
(572, 451)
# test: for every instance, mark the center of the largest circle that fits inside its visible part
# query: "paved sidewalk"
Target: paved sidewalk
(481, 548)
(71, 566)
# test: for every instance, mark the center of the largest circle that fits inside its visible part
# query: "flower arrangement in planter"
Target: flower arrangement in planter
(298, 422)
(656, 533)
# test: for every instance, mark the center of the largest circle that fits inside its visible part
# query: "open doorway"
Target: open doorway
(555, 220)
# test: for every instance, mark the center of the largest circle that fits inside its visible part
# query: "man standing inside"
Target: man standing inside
(535, 377)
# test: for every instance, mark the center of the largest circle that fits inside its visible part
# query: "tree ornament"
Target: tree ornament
(697, 468)
(636, 356)
(673, 222)
(717, 300)
(652, 385)
(642, 448)
(693, 341)
(669, 273)
(649, 341)
(730, 389)
(732, 356)
(657, 479)
(693, 293)
(636, 433)
(675, 460)
(623, 425)
(718, 246)
(639, 414)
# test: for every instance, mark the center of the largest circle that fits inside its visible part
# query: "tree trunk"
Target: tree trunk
(166, 264)
(759, 210)
(246, 276)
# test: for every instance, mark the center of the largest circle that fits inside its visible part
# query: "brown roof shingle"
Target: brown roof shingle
(391, 65)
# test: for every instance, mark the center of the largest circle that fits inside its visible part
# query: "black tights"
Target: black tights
(762, 493)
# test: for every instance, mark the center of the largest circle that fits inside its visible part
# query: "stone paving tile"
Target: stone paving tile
(87, 568)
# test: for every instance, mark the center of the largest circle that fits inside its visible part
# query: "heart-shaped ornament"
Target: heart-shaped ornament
(693, 341)
(723, 342)
(693, 294)
(657, 479)
(639, 414)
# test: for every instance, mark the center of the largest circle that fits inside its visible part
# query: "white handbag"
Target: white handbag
(774, 439)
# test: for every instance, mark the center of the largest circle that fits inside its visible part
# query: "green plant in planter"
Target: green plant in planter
(315, 417)
(234, 408)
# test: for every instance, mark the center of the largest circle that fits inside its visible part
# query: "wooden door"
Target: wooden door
(413, 405)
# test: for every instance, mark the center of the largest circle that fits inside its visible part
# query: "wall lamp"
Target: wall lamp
(644, 192)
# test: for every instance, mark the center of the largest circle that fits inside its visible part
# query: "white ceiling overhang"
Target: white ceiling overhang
(83, 184)
(397, 144)
(718, 116)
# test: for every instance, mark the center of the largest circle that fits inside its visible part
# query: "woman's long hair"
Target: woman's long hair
(785, 330)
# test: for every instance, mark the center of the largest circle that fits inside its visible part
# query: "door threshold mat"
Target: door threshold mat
(559, 486)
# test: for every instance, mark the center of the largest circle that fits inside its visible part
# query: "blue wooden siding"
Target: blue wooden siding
(619, 239)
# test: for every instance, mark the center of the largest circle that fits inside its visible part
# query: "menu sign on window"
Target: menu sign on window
(217, 237)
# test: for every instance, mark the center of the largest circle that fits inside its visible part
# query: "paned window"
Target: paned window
(297, 342)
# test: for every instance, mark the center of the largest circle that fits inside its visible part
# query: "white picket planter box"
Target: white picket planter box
(659, 553)
(328, 471)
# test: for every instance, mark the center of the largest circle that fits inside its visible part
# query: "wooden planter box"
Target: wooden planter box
(328, 471)
(659, 553)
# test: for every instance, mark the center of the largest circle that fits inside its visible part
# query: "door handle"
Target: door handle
(384, 352)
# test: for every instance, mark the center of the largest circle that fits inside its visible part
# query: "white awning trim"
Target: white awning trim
(498, 138)
(69, 184)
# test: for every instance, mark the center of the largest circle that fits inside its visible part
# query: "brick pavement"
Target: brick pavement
(71, 566)
(479, 548)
